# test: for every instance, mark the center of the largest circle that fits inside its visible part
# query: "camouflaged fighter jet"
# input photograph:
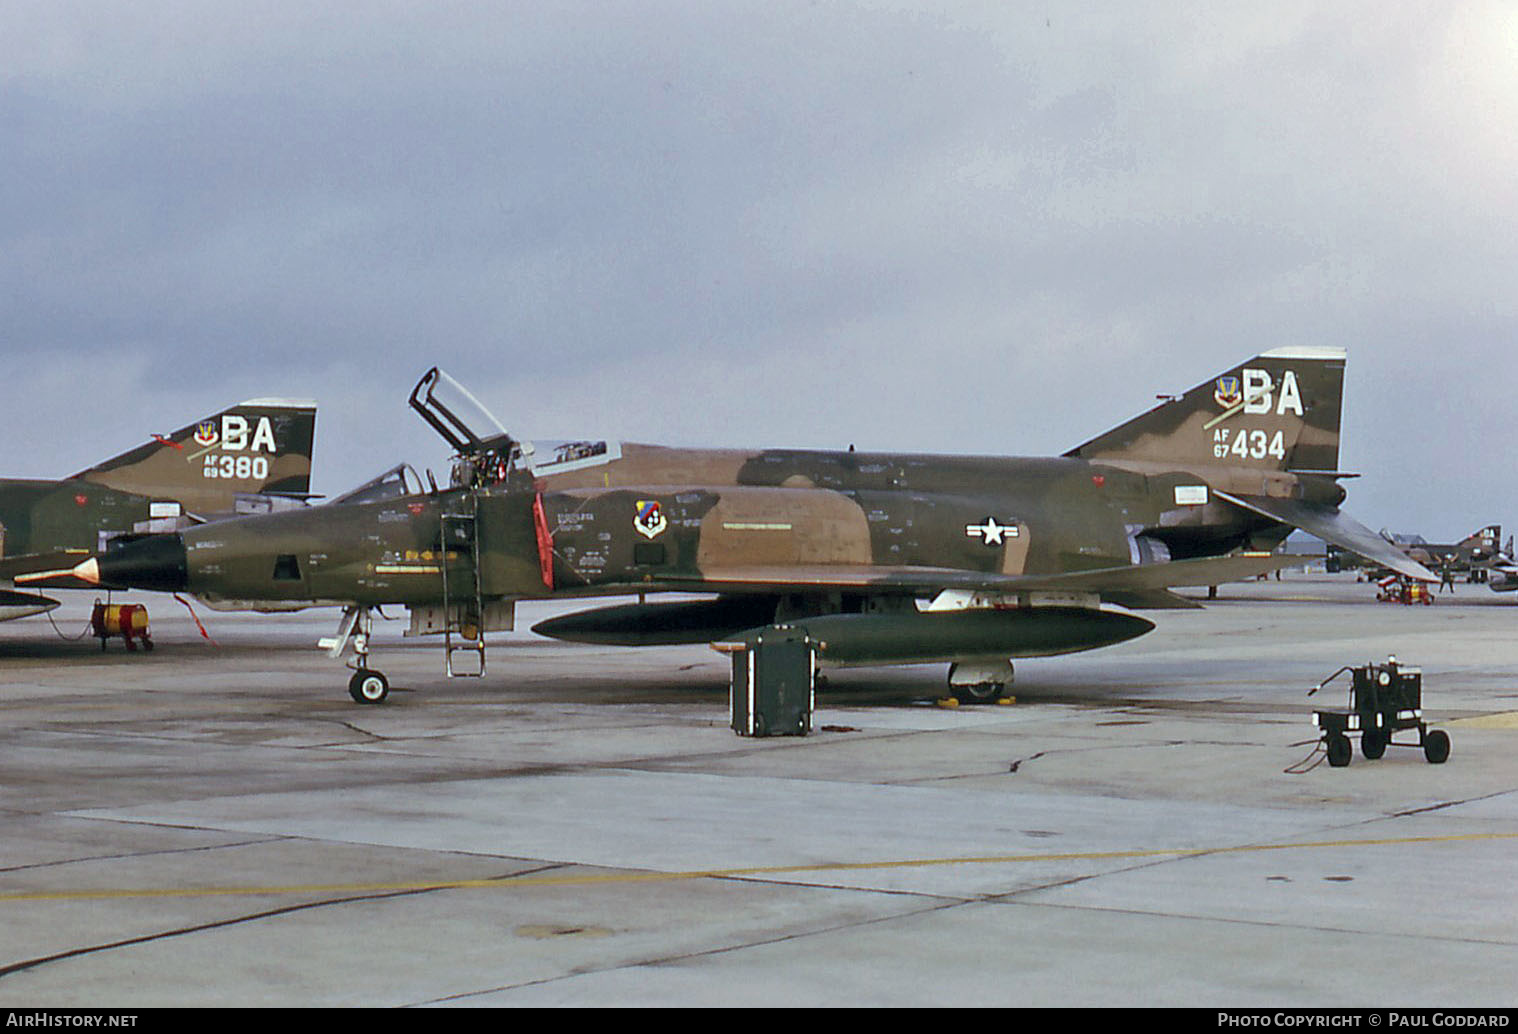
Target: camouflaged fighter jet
(1473, 556)
(254, 457)
(883, 558)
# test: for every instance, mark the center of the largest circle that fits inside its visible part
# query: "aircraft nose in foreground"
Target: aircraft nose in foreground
(157, 562)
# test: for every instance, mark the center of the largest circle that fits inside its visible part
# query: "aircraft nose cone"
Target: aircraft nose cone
(156, 562)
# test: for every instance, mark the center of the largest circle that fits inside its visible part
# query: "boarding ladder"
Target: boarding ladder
(463, 607)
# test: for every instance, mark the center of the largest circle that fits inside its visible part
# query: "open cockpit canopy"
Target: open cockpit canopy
(454, 413)
(486, 454)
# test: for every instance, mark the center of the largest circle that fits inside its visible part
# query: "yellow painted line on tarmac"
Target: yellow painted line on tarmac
(613, 878)
(1504, 720)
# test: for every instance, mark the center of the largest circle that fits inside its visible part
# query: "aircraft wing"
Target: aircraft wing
(1332, 525)
(863, 638)
(20, 605)
(1134, 581)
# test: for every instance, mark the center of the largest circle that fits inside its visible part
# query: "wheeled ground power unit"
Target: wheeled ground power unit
(1384, 699)
(129, 621)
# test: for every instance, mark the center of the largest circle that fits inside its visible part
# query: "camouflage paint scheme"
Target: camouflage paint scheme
(1475, 551)
(250, 457)
(1474, 556)
(888, 558)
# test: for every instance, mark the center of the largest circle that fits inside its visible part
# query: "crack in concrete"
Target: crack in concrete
(669, 960)
(142, 854)
(26, 964)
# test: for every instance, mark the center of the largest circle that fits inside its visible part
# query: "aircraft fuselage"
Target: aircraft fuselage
(657, 519)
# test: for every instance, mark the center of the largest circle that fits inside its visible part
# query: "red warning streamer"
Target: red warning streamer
(545, 540)
(203, 633)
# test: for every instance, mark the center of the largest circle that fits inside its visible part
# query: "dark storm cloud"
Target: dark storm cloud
(960, 227)
(564, 184)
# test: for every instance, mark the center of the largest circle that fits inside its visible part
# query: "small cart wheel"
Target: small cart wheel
(368, 687)
(1339, 751)
(1373, 743)
(1436, 747)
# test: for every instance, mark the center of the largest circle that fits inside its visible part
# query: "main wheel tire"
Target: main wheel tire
(994, 682)
(368, 687)
(1436, 747)
(981, 692)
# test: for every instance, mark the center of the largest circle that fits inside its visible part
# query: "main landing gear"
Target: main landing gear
(367, 686)
(980, 683)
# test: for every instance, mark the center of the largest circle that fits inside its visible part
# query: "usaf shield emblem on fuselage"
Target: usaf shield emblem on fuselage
(650, 519)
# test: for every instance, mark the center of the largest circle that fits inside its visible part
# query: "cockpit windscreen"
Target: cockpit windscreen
(400, 480)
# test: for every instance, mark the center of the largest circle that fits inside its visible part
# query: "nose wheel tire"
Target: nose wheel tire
(368, 687)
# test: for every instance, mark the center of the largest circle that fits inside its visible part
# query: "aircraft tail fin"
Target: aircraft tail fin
(260, 448)
(1487, 540)
(1278, 411)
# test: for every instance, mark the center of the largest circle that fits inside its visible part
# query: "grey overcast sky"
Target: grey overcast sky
(994, 227)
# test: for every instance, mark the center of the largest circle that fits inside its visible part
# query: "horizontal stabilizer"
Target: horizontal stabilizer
(1332, 525)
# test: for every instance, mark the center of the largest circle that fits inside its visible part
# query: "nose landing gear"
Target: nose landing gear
(367, 686)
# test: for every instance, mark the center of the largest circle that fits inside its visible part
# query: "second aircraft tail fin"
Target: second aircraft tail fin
(261, 447)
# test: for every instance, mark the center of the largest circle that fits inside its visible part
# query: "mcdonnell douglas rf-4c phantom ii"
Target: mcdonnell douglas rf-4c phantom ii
(254, 457)
(881, 558)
